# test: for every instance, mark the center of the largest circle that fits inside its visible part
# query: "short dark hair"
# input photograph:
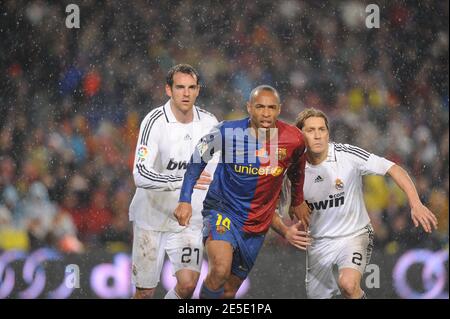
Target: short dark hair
(267, 88)
(183, 68)
(306, 114)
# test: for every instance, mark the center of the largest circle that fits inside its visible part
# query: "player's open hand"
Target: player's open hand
(183, 213)
(302, 212)
(204, 180)
(422, 216)
(297, 236)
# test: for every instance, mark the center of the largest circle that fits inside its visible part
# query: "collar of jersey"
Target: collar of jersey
(170, 118)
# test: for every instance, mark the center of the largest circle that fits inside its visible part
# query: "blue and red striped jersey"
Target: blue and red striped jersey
(248, 178)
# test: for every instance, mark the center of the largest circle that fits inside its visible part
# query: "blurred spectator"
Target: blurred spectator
(97, 217)
(38, 214)
(10, 199)
(11, 237)
(64, 234)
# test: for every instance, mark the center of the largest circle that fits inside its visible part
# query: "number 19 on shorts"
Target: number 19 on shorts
(225, 222)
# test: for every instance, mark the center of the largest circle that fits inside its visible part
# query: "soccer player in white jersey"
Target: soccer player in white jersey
(167, 137)
(338, 221)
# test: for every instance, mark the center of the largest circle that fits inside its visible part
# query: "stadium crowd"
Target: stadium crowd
(72, 99)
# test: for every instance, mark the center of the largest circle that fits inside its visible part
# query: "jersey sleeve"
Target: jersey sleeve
(296, 174)
(213, 120)
(208, 145)
(367, 163)
(284, 202)
(144, 173)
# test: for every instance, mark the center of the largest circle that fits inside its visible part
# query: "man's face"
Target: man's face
(264, 109)
(316, 135)
(184, 91)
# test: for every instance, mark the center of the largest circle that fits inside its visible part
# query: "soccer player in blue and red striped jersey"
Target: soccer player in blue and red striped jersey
(239, 208)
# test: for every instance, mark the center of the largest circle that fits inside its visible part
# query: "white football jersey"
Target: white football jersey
(334, 190)
(163, 151)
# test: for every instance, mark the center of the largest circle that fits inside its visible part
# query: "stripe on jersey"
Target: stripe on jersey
(151, 177)
(360, 150)
(206, 112)
(156, 177)
(352, 150)
(353, 153)
(165, 114)
(198, 114)
(170, 178)
(148, 126)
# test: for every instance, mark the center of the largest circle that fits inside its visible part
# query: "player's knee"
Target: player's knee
(144, 293)
(221, 272)
(186, 288)
(349, 287)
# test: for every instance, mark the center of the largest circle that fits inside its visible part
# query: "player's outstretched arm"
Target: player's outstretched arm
(204, 180)
(420, 214)
(195, 176)
(296, 174)
(294, 234)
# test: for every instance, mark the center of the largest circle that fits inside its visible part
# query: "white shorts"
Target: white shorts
(325, 257)
(185, 251)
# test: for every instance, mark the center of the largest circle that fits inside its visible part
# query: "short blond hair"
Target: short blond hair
(306, 114)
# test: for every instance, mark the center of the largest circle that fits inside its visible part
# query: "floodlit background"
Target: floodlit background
(71, 101)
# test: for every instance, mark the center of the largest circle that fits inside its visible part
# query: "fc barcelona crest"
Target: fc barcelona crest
(281, 153)
(220, 229)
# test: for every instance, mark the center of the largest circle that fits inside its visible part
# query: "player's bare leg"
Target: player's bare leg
(144, 293)
(350, 283)
(220, 256)
(186, 283)
(232, 286)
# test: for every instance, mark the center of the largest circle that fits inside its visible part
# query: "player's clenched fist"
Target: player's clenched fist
(183, 213)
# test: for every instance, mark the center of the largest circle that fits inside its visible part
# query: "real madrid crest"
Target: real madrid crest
(339, 184)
